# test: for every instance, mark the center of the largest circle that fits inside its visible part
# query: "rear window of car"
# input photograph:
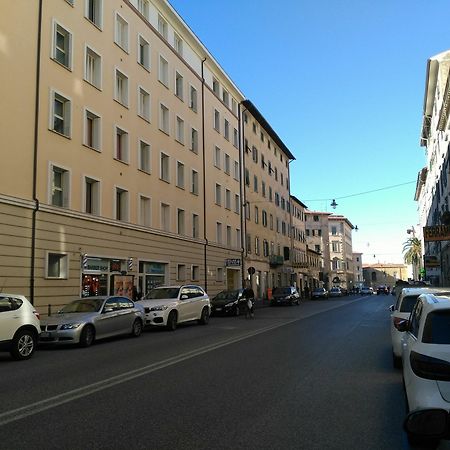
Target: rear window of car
(408, 303)
(437, 328)
(281, 291)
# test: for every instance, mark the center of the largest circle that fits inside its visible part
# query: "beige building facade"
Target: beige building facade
(300, 260)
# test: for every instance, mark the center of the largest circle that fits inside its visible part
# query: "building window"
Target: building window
(226, 130)
(219, 274)
(179, 135)
(226, 97)
(217, 153)
(236, 171)
(92, 131)
(163, 74)
(165, 217)
(335, 246)
(178, 44)
(180, 221)
(122, 145)
(179, 85)
(180, 175)
(217, 120)
(121, 91)
(164, 167)
(62, 45)
(256, 245)
(57, 265)
(256, 214)
(121, 38)
(144, 8)
(163, 118)
(93, 68)
(255, 183)
(271, 221)
(227, 162)
(264, 218)
(238, 238)
(193, 98)
(263, 189)
(61, 114)
(248, 243)
(227, 199)
(144, 211)
(265, 248)
(195, 230)
(218, 194)
(194, 140)
(144, 157)
(228, 236)
(194, 182)
(91, 196)
(94, 12)
(255, 154)
(216, 87)
(334, 231)
(195, 273)
(218, 232)
(235, 138)
(181, 272)
(237, 203)
(247, 177)
(143, 53)
(143, 104)
(121, 204)
(60, 185)
(163, 27)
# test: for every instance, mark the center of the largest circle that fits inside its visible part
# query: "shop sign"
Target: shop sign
(154, 268)
(116, 265)
(233, 262)
(436, 233)
(431, 261)
(97, 265)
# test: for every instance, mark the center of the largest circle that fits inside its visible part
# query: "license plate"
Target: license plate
(218, 309)
(45, 334)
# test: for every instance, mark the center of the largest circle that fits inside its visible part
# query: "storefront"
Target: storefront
(233, 267)
(151, 275)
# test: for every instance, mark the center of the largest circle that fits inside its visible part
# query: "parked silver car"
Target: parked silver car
(86, 319)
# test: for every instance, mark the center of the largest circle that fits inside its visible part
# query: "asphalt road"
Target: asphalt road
(317, 376)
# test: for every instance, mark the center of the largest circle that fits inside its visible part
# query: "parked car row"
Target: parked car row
(420, 331)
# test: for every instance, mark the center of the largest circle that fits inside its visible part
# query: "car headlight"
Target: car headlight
(229, 305)
(70, 326)
(159, 308)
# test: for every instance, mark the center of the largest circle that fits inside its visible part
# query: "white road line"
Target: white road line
(84, 391)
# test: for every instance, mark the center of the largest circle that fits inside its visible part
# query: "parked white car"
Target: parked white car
(19, 326)
(168, 306)
(426, 355)
(366, 290)
(402, 310)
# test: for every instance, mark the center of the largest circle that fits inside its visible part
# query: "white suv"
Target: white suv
(167, 306)
(426, 354)
(402, 310)
(19, 326)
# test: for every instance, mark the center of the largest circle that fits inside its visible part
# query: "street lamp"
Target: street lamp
(333, 204)
(411, 231)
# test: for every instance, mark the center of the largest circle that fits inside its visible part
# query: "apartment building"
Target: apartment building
(386, 274)
(341, 253)
(358, 278)
(121, 162)
(432, 189)
(300, 260)
(317, 239)
(266, 196)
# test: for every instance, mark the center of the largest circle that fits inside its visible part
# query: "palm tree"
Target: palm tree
(412, 250)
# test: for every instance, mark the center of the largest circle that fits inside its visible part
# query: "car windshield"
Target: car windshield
(281, 291)
(227, 295)
(408, 303)
(437, 328)
(82, 305)
(159, 293)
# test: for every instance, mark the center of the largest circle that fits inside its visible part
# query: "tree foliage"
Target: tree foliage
(412, 251)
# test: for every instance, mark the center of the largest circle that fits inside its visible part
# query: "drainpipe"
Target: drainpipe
(242, 190)
(205, 238)
(35, 157)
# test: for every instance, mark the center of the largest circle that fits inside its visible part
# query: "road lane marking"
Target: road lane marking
(74, 394)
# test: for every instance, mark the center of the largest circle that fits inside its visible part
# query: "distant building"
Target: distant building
(358, 278)
(384, 274)
(300, 259)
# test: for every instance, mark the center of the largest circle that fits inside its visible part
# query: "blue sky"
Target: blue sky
(342, 83)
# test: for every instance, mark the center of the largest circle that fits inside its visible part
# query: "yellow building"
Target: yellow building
(122, 157)
(300, 258)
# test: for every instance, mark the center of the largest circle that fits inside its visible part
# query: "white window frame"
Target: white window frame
(66, 185)
(163, 71)
(144, 217)
(98, 12)
(217, 157)
(164, 166)
(68, 51)
(181, 272)
(219, 232)
(144, 43)
(126, 145)
(179, 130)
(179, 85)
(96, 203)
(218, 194)
(97, 70)
(220, 274)
(97, 130)
(126, 203)
(178, 44)
(194, 140)
(121, 40)
(216, 121)
(164, 113)
(195, 272)
(165, 219)
(163, 27)
(144, 103)
(195, 225)
(143, 7)
(67, 113)
(180, 174)
(123, 96)
(193, 99)
(181, 225)
(194, 182)
(148, 158)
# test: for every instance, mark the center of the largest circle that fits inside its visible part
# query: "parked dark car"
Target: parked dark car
(382, 290)
(285, 296)
(231, 302)
(319, 293)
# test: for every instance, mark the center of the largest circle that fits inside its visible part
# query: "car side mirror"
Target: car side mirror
(108, 309)
(392, 308)
(427, 423)
(402, 325)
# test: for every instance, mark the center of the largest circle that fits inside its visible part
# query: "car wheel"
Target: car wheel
(172, 321)
(87, 336)
(204, 318)
(23, 345)
(136, 331)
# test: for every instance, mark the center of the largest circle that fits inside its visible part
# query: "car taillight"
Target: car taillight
(37, 314)
(397, 320)
(429, 368)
